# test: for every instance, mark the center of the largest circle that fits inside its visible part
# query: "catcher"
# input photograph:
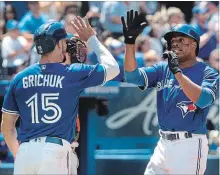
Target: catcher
(76, 53)
(76, 50)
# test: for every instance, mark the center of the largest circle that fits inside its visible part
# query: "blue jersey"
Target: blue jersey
(46, 97)
(176, 112)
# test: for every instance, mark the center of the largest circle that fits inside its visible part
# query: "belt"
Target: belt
(54, 140)
(175, 136)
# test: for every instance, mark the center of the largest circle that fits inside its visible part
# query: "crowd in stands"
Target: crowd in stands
(19, 19)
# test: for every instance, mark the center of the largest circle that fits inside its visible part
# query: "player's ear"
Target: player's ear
(194, 45)
(59, 44)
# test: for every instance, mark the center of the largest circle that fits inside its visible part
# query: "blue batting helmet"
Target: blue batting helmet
(48, 35)
(183, 29)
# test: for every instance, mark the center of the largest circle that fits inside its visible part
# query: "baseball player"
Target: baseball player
(46, 96)
(76, 53)
(185, 90)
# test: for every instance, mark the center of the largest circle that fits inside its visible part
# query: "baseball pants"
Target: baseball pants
(181, 156)
(41, 157)
(75, 160)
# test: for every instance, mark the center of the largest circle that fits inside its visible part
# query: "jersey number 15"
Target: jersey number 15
(46, 105)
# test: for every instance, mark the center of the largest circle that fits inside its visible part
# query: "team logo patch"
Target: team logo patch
(186, 107)
(43, 67)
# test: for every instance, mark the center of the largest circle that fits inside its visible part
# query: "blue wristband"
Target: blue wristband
(205, 98)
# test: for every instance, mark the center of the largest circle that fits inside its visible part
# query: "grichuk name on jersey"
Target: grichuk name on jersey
(164, 84)
(43, 80)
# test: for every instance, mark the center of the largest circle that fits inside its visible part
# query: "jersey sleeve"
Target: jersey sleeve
(89, 75)
(151, 76)
(9, 104)
(211, 81)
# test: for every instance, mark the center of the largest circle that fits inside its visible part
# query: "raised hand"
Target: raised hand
(135, 25)
(83, 28)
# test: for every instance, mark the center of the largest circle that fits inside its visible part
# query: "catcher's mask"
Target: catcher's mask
(76, 49)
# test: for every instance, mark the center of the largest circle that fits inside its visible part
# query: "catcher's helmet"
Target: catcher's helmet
(183, 29)
(76, 49)
(47, 35)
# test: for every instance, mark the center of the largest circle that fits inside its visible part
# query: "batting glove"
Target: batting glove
(134, 26)
(173, 62)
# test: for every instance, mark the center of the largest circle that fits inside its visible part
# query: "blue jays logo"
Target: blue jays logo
(43, 67)
(186, 107)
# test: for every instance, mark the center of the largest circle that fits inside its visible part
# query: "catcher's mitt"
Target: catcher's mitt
(76, 49)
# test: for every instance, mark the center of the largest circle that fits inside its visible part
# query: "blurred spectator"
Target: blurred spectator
(62, 5)
(174, 16)
(14, 48)
(213, 8)
(148, 7)
(67, 24)
(70, 9)
(136, 5)
(49, 8)
(214, 59)
(111, 16)
(94, 9)
(115, 46)
(154, 34)
(141, 47)
(20, 6)
(2, 22)
(9, 14)
(73, 9)
(105, 34)
(208, 40)
(213, 140)
(217, 35)
(2, 7)
(94, 14)
(32, 20)
(143, 44)
(151, 58)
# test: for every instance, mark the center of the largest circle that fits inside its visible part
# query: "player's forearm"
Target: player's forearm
(130, 63)
(10, 137)
(104, 57)
(191, 90)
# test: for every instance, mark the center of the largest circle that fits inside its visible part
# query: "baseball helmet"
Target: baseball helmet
(48, 35)
(183, 29)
